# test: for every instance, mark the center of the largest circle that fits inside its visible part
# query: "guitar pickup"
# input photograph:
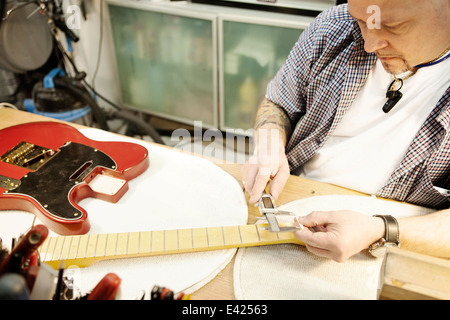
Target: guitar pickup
(269, 212)
(28, 155)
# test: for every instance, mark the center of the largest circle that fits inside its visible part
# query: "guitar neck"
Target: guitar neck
(84, 250)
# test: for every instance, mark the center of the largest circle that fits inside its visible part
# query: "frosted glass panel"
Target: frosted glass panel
(252, 54)
(165, 63)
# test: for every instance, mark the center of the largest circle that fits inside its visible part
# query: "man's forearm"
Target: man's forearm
(428, 234)
(271, 116)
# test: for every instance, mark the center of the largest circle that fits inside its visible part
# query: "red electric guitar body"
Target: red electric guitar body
(46, 168)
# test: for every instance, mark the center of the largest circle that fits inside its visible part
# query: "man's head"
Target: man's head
(409, 32)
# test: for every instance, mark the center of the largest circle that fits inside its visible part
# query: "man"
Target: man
(323, 118)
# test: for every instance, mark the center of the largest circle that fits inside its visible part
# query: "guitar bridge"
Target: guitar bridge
(28, 155)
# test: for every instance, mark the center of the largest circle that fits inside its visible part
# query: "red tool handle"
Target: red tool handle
(26, 247)
(106, 289)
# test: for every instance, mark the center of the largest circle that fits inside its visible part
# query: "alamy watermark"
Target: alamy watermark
(73, 17)
(374, 20)
(212, 143)
(231, 145)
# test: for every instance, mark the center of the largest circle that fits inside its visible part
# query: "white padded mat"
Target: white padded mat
(176, 191)
(290, 272)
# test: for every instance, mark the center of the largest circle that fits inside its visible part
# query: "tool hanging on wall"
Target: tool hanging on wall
(29, 41)
(26, 42)
(54, 13)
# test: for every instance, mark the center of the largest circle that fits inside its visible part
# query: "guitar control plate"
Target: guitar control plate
(9, 183)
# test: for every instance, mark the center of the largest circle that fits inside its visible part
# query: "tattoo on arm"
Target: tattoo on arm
(269, 115)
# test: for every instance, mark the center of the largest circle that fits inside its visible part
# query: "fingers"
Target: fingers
(256, 176)
(259, 186)
(279, 181)
(255, 179)
(316, 218)
(316, 239)
(320, 243)
(249, 172)
(255, 183)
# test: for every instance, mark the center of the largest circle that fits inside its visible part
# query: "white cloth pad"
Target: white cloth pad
(177, 191)
(291, 272)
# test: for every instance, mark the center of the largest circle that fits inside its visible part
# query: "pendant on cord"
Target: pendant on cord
(394, 95)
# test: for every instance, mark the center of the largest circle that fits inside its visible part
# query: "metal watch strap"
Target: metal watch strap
(392, 234)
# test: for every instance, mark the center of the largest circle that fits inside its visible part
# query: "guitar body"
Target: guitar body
(47, 167)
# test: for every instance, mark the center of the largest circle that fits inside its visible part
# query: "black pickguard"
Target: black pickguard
(51, 184)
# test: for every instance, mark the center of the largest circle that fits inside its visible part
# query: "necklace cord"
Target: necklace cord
(394, 95)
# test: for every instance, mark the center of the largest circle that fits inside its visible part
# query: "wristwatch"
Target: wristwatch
(391, 237)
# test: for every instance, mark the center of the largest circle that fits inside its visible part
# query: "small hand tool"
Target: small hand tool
(269, 212)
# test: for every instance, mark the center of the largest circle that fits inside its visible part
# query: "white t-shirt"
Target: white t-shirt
(368, 144)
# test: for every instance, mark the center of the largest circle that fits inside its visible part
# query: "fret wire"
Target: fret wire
(115, 247)
(131, 241)
(53, 246)
(68, 247)
(57, 250)
(41, 252)
(96, 245)
(178, 239)
(74, 238)
(240, 236)
(119, 244)
(207, 237)
(46, 247)
(128, 242)
(106, 243)
(257, 231)
(85, 247)
(120, 249)
(60, 250)
(145, 242)
(139, 243)
(223, 236)
(151, 241)
(91, 249)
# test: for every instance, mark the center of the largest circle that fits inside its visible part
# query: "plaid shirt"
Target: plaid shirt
(319, 81)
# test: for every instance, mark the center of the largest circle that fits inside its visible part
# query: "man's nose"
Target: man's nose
(373, 40)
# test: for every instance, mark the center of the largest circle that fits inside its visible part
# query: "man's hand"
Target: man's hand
(339, 234)
(268, 162)
(272, 126)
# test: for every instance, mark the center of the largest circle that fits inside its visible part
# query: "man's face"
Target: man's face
(409, 32)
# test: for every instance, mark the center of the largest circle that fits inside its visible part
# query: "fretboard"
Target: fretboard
(84, 250)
